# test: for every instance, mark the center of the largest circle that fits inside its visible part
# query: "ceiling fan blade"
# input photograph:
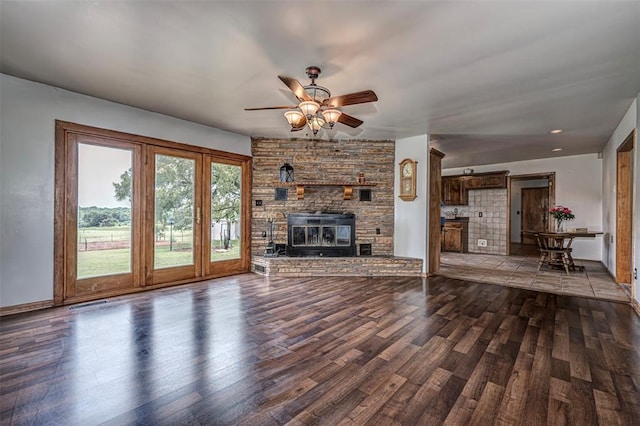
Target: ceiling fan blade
(296, 88)
(348, 120)
(352, 99)
(273, 107)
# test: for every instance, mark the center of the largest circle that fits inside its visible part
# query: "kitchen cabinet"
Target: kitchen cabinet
(454, 236)
(474, 182)
(491, 180)
(453, 191)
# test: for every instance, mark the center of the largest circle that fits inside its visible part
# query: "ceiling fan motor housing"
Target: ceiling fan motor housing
(313, 72)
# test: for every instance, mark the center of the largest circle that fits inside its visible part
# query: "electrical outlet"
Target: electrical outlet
(611, 238)
(258, 203)
(264, 234)
(479, 214)
(635, 273)
(482, 243)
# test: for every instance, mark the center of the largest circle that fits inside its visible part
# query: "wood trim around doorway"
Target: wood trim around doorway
(624, 209)
(435, 191)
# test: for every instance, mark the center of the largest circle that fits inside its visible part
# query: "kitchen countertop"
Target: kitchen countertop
(458, 219)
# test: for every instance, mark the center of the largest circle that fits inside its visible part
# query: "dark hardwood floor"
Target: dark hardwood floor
(249, 350)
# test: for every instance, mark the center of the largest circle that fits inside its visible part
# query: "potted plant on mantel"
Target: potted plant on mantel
(561, 214)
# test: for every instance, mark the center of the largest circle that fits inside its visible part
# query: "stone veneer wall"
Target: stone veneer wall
(324, 161)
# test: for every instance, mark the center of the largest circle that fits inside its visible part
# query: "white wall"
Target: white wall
(630, 121)
(27, 139)
(578, 186)
(410, 236)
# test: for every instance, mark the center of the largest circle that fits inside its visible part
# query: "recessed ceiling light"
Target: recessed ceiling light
(556, 149)
(555, 132)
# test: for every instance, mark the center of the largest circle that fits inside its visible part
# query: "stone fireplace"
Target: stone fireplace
(324, 161)
(321, 234)
(319, 245)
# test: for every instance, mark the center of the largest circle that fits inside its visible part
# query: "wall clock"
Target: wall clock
(408, 180)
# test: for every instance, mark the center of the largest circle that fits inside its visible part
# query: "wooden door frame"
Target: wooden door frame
(550, 176)
(435, 199)
(625, 210)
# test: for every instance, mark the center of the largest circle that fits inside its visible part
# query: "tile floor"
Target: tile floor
(521, 270)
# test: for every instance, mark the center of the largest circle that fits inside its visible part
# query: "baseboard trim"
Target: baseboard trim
(25, 307)
(613, 277)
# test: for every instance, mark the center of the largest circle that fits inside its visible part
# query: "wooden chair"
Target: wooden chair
(553, 251)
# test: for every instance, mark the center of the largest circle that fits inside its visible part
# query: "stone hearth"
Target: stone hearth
(359, 266)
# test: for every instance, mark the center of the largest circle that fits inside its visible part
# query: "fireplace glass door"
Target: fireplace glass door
(324, 236)
(343, 235)
(321, 234)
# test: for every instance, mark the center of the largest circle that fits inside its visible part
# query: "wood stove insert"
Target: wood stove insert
(321, 234)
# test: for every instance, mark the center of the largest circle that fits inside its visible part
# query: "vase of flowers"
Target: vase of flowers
(561, 214)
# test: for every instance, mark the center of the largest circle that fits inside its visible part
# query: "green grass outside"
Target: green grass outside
(117, 261)
(103, 262)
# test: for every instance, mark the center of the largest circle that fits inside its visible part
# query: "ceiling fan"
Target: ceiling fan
(317, 108)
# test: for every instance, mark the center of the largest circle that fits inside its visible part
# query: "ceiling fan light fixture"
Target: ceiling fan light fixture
(309, 108)
(331, 116)
(296, 119)
(315, 123)
(316, 107)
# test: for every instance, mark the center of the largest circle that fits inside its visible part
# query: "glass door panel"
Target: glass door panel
(226, 212)
(101, 217)
(173, 228)
(174, 211)
(104, 211)
(226, 202)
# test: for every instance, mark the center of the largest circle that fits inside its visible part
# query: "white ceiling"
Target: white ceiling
(487, 79)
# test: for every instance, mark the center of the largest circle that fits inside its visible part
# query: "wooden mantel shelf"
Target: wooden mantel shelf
(348, 187)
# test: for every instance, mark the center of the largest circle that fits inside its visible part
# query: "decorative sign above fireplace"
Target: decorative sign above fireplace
(321, 234)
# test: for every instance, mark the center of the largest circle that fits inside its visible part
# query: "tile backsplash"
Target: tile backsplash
(492, 226)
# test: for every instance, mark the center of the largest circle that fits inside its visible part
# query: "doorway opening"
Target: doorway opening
(530, 197)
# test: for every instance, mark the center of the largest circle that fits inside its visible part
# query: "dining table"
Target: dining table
(560, 242)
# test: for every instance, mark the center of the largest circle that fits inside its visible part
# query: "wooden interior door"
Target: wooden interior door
(535, 212)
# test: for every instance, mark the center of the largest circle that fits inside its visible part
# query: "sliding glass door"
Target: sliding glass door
(102, 216)
(173, 215)
(224, 212)
(134, 212)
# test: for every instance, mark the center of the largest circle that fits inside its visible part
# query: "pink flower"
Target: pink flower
(561, 213)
